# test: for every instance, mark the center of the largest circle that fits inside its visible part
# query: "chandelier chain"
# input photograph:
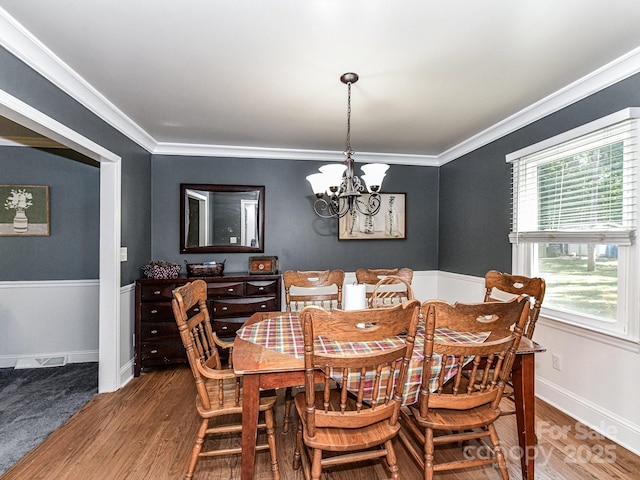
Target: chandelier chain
(349, 117)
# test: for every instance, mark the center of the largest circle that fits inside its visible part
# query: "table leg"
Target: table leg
(250, 410)
(523, 377)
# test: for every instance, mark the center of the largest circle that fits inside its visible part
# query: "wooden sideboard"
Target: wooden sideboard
(231, 298)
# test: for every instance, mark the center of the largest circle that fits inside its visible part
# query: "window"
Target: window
(575, 216)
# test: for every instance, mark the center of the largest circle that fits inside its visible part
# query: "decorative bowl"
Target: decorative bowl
(161, 269)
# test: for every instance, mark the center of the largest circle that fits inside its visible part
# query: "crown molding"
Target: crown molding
(615, 71)
(197, 150)
(21, 43)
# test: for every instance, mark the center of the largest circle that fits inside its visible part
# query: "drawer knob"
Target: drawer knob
(225, 308)
(154, 311)
(153, 332)
(263, 306)
(225, 328)
(229, 289)
(261, 288)
(154, 351)
(157, 292)
(196, 309)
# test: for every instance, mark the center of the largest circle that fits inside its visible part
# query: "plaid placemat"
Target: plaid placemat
(283, 334)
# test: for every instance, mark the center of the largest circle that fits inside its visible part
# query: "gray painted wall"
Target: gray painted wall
(293, 233)
(24, 83)
(475, 190)
(71, 250)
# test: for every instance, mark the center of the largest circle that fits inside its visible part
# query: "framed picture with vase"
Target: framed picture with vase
(24, 210)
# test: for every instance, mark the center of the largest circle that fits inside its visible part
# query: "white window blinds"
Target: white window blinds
(581, 190)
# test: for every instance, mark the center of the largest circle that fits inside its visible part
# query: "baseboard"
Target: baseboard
(606, 423)
(10, 361)
(126, 373)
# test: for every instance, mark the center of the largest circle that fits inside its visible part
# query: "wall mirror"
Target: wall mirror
(221, 218)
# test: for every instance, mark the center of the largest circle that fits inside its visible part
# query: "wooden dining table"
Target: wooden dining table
(263, 367)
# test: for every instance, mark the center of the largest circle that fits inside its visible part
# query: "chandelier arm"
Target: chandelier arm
(347, 207)
(371, 207)
(321, 205)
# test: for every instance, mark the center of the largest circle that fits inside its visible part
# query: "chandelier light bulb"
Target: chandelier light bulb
(318, 183)
(375, 173)
(333, 173)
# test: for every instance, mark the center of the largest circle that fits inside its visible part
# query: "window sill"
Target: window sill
(626, 342)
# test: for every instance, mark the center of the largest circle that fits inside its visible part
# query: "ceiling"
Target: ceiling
(258, 76)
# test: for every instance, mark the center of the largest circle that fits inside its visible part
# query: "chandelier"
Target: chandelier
(338, 190)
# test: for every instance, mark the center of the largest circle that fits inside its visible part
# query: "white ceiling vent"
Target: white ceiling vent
(41, 362)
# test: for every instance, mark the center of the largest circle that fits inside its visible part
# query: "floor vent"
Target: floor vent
(41, 362)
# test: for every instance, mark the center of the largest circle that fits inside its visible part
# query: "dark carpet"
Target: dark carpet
(34, 402)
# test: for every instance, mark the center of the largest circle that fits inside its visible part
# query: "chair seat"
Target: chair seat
(350, 439)
(447, 419)
(267, 400)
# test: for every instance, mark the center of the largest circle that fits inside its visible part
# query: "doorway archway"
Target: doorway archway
(110, 227)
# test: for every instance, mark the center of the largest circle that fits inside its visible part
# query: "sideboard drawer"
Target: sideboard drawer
(157, 292)
(234, 307)
(159, 332)
(163, 353)
(262, 288)
(234, 289)
(228, 327)
(160, 312)
(156, 312)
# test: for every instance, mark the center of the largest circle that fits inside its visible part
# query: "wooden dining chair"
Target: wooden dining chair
(321, 288)
(372, 276)
(504, 286)
(311, 287)
(218, 389)
(353, 416)
(464, 404)
(497, 284)
(390, 291)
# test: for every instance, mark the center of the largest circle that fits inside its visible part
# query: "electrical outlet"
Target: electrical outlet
(555, 361)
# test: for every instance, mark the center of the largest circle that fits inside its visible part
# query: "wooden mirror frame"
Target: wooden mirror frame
(217, 248)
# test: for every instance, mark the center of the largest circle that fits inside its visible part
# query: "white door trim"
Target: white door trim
(110, 227)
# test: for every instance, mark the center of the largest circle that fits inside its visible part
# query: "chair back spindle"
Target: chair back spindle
(371, 277)
(503, 286)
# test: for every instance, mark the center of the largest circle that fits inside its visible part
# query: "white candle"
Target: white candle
(355, 297)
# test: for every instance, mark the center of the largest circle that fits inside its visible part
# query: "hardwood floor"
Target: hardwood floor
(146, 429)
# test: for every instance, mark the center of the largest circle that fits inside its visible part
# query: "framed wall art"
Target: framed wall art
(263, 265)
(24, 210)
(388, 224)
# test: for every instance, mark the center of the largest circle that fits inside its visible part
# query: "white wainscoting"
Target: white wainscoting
(49, 319)
(59, 318)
